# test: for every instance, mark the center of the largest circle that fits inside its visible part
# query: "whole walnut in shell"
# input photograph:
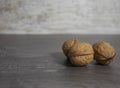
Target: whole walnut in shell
(104, 52)
(79, 53)
(68, 45)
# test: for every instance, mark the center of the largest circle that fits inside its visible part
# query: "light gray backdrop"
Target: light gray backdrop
(60, 16)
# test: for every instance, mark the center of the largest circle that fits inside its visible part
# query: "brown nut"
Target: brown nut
(79, 53)
(104, 52)
(67, 46)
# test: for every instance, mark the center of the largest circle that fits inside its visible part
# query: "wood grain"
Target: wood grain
(37, 61)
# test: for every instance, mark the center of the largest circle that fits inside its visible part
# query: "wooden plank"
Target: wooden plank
(37, 61)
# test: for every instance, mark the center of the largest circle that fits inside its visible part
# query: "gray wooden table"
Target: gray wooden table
(37, 61)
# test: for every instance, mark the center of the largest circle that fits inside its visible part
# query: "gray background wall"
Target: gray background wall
(60, 16)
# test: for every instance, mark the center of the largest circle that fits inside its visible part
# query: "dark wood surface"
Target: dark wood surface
(37, 61)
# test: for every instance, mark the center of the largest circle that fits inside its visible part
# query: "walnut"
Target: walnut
(104, 52)
(79, 53)
(67, 45)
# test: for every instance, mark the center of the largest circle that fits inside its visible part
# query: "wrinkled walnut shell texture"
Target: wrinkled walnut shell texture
(67, 45)
(104, 52)
(81, 60)
(79, 53)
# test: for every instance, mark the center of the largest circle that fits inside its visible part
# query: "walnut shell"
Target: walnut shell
(82, 60)
(104, 52)
(79, 53)
(67, 45)
(80, 49)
